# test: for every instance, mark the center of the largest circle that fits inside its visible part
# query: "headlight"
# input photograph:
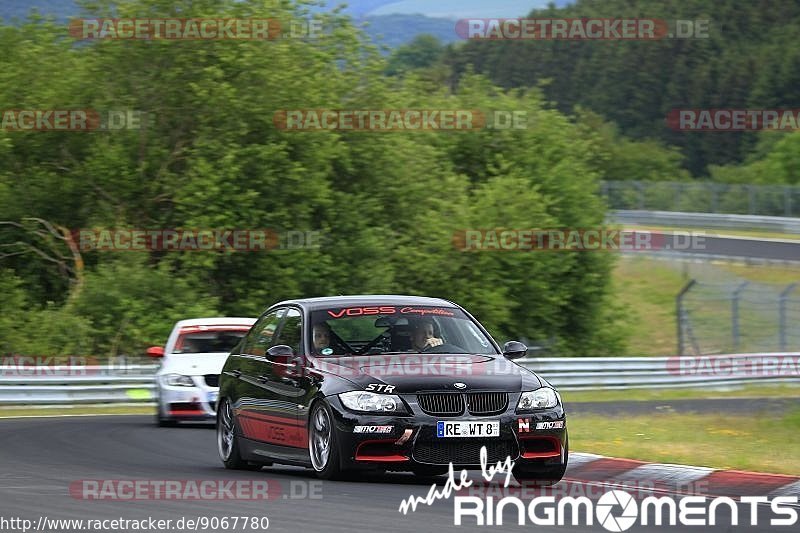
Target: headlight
(177, 380)
(369, 402)
(543, 398)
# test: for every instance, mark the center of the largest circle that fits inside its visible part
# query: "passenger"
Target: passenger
(321, 336)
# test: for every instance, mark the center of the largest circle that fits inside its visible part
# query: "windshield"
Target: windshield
(395, 329)
(209, 340)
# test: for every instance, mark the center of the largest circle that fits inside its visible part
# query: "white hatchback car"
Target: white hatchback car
(188, 381)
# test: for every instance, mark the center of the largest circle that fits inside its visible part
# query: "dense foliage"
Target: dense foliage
(387, 204)
(749, 60)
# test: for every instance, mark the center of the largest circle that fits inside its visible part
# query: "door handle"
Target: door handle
(263, 379)
(236, 373)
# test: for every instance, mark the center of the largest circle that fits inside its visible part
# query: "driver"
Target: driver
(322, 336)
(422, 336)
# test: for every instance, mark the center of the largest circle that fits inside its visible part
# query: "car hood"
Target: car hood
(195, 364)
(415, 372)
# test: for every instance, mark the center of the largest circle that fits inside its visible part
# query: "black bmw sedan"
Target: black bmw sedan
(405, 383)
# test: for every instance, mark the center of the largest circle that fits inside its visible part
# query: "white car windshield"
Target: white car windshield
(208, 340)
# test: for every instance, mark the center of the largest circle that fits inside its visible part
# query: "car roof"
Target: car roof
(326, 302)
(216, 321)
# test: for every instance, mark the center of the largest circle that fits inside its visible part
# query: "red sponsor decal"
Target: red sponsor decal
(360, 311)
(388, 310)
(273, 429)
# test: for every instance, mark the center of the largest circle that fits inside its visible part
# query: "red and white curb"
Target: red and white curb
(671, 478)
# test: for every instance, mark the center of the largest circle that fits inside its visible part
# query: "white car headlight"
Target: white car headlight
(543, 398)
(177, 380)
(369, 402)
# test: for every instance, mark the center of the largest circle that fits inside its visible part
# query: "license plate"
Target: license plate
(212, 397)
(466, 428)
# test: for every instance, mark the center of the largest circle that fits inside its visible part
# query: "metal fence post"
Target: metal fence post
(714, 197)
(681, 315)
(784, 297)
(640, 188)
(735, 315)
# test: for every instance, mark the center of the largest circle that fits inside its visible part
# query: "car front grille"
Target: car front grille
(452, 404)
(487, 403)
(463, 451)
(212, 380)
(448, 404)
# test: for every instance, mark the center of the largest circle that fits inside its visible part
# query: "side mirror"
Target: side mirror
(155, 351)
(288, 366)
(514, 350)
(280, 351)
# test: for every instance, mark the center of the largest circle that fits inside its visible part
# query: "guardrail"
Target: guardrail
(703, 197)
(606, 373)
(705, 220)
(97, 384)
(77, 385)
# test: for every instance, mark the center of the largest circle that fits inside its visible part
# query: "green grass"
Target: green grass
(750, 391)
(26, 410)
(647, 288)
(760, 443)
(773, 274)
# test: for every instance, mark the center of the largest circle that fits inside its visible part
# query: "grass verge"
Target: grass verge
(27, 410)
(646, 288)
(751, 391)
(759, 443)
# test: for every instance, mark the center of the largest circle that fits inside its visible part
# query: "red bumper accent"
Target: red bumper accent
(539, 447)
(379, 451)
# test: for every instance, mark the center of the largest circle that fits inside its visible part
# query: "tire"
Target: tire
(542, 477)
(323, 448)
(227, 443)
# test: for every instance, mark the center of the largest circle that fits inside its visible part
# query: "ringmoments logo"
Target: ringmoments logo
(618, 510)
(615, 510)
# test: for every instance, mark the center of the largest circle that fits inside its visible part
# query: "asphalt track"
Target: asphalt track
(42, 457)
(735, 247)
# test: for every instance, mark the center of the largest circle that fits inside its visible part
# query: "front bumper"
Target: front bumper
(187, 403)
(409, 442)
